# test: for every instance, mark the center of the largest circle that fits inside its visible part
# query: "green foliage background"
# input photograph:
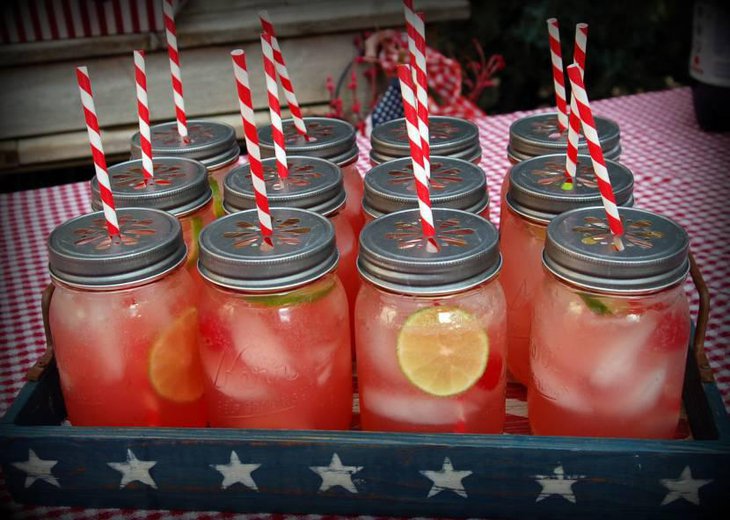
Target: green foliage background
(633, 47)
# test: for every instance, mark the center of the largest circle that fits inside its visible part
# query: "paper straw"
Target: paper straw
(277, 130)
(252, 140)
(97, 152)
(286, 83)
(414, 139)
(416, 30)
(174, 55)
(143, 114)
(579, 58)
(556, 57)
(594, 147)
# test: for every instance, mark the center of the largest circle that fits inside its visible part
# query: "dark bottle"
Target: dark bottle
(709, 64)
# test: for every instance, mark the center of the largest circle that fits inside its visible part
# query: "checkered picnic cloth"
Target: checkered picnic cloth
(680, 172)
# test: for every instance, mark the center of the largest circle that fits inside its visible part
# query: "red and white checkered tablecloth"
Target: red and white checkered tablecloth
(680, 171)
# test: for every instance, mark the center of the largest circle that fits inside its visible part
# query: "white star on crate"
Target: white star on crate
(446, 479)
(235, 472)
(336, 475)
(557, 484)
(685, 487)
(36, 468)
(134, 469)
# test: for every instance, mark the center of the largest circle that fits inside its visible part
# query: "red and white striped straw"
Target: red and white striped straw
(97, 152)
(414, 139)
(252, 141)
(416, 30)
(277, 130)
(594, 146)
(143, 114)
(579, 58)
(556, 56)
(174, 55)
(286, 83)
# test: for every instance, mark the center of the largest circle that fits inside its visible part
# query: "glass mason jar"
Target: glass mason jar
(535, 135)
(448, 137)
(536, 197)
(210, 142)
(179, 186)
(431, 325)
(274, 327)
(313, 184)
(331, 139)
(124, 323)
(611, 328)
(455, 184)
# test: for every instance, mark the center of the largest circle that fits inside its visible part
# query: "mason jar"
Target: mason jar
(313, 184)
(179, 186)
(331, 139)
(448, 136)
(124, 322)
(210, 142)
(536, 197)
(454, 183)
(431, 325)
(274, 327)
(611, 328)
(535, 135)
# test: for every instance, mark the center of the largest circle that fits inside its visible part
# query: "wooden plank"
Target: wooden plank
(206, 22)
(45, 100)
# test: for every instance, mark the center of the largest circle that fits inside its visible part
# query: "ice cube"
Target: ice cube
(416, 409)
(262, 350)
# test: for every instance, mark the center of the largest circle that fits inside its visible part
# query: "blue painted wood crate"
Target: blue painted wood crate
(502, 476)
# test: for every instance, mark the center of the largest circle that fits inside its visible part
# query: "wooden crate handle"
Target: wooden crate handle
(36, 371)
(702, 318)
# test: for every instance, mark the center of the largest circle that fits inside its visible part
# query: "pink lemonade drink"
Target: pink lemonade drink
(535, 135)
(431, 325)
(454, 183)
(274, 327)
(313, 184)
(179, 186)
(331, 139)
(124, 319)
(210, 142)
(611, 328)
(536, 196)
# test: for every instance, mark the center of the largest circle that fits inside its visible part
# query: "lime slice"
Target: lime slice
(306, 294)
(174, 366)
(196, 225)
(604, 306)
(218, 210)
(442, 350)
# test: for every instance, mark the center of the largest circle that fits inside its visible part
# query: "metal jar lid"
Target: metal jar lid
(579, 249)
(535, 186)
(395, 255)
(448, 136)
(329, 138)
(179, 186)
(233, 253)
(212, 143)
(538, 134)
(313, 184)
(81, 253)
(614, 154)
(456, 184)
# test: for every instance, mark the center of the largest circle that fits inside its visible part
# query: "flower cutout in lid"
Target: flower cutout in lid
(637, 233)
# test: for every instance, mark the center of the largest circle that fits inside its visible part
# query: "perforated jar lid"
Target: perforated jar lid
(538, 134)
(233, 253)
(212, 143)
(455, 184)
(395, 255)
(329, 138)
(313, 184)
(81, 253)
(448, 136)
(579, 249)
(535, 186)
(179, 186)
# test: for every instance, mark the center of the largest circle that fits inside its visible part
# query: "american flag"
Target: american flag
(390, 104)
